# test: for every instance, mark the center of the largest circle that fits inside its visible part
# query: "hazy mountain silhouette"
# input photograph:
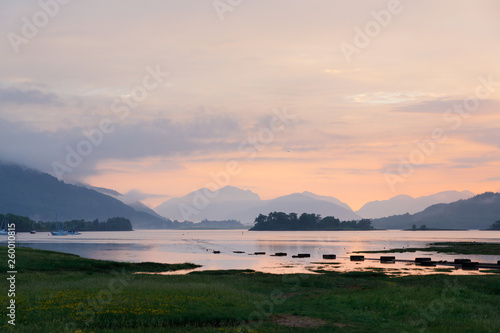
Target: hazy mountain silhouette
(203, 204)
(403, 204)
(42, 197)
(38, 195)
(327, 198)
(298, 203)
(243, 205)
(478, 212)
(137, 205)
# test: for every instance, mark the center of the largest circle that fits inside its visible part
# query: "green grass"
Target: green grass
(62, 296)
(450, 247)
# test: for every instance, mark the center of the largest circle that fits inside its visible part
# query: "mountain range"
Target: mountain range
(41, 197)
(232, 203)
(403, 204)
(244, 205)
(478, 212)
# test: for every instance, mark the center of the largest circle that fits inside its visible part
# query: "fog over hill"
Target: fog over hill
(42, 197)
(137, 205)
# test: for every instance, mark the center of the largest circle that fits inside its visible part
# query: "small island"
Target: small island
(279, 221)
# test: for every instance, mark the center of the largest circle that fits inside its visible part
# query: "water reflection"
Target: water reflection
(174, 246)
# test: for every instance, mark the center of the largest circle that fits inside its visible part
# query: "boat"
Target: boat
(59, 232)
(3, 228)
(33, 231)
(72, 232)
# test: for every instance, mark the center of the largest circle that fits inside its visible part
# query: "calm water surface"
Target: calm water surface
(197, 246)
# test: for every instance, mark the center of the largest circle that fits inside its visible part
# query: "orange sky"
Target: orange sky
(420, 89)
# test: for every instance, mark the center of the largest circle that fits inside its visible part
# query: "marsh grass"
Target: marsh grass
(449, 247)
(63, 296)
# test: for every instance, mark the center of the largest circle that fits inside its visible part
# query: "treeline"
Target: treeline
(285, 222)
(25, 224)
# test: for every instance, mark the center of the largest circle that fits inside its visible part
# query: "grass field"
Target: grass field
(58, 292)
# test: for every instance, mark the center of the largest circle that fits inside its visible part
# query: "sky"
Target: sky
(358, 100)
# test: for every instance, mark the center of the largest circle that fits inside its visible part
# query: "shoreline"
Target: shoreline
(63, 292)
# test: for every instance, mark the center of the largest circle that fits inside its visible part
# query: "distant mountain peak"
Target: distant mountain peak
(478, 212)
(244, 205)
(328, 199)
(403, 203)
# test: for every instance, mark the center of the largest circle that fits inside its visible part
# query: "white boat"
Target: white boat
(33, 231)
(3, 228)
(59, 232)
(72, 232)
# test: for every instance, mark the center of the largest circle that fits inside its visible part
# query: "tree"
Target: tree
(413, 227)
(329, 222)
(365, 224)
(306, 221)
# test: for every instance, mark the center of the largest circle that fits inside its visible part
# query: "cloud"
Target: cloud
(350, 171)
(340, 71)
(478, 160)
(383, 97)
(491, 179)
(401, 168)
(134, 196)
(28, 96)
(486, 135)
(128, 142)
(444, 105)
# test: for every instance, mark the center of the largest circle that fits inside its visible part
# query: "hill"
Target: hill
(137, 205)
(402, 204)
(478, 212)
(232, 203)
(40, 196)
(298, 203)
(222, 204)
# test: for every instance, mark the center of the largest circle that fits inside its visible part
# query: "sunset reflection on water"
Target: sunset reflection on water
(178, 246)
